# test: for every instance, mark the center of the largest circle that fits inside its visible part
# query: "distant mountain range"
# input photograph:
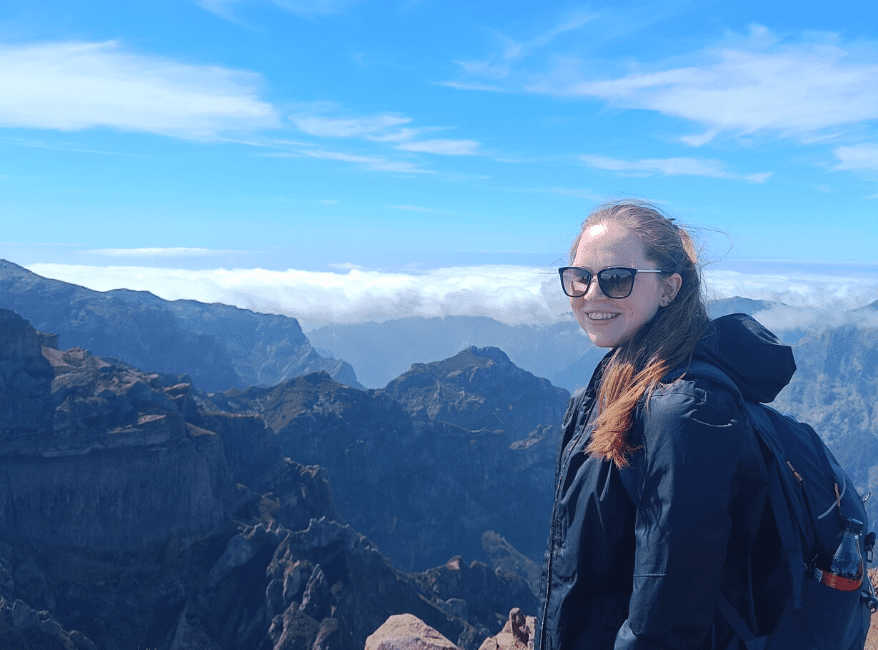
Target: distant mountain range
(222, 347)
(218, 346)
(560, 352)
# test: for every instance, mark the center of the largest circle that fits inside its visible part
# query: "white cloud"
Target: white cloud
(442, 147)
(411, 208)
(860, 157)
(325, 127)
(371, 162)
(511, 294)
(76, 85)
(511, 51)
(223, 8)
(754, 84)
(824, 291)
(462, 85)
(382, 129)
(672, 167)
(158, 252)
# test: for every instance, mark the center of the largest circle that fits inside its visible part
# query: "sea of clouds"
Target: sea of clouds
(511, 294)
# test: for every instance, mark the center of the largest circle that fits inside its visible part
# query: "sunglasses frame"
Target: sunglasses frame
(591, 276)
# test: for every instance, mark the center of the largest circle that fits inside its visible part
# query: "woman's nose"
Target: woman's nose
(594, 290)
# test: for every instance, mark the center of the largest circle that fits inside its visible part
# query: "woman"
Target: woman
(660, 484)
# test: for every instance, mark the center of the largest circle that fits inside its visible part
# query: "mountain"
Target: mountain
(835, 389)
(131, 517)
(382, 351)
(445, 453)
(220, 347)
(560, 351)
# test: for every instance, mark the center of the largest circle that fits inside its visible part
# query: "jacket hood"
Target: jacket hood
(757, 362)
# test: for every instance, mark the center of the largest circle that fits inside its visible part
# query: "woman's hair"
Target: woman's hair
(637, 365)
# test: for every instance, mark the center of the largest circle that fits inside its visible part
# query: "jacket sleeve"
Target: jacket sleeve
(687, 481)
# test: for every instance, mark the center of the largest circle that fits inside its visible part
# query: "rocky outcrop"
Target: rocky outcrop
(219, 346)
(517, 634)
(130, 516)
(407, 632)
(480, 389)
(476, 592)
(423, 468)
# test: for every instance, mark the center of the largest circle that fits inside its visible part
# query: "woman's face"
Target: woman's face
(610, 321)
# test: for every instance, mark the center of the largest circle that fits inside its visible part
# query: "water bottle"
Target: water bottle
(848, 561)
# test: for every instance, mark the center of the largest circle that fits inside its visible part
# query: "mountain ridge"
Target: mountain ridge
(218, 345)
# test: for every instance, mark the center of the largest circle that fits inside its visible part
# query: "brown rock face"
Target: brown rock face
(407, 632)
(517, 634)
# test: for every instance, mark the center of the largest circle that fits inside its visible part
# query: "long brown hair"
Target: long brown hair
(637, 366)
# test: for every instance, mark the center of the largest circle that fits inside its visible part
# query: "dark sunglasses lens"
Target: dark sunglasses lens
(616, 283)
(576, 282)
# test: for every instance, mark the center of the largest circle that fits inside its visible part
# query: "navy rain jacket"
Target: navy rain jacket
(641, 568)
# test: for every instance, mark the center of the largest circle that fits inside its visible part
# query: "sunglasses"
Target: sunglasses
(615, 282)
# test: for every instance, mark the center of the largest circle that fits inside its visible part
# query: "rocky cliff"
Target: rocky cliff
(425, 467)
(219, 346)
(131, 517)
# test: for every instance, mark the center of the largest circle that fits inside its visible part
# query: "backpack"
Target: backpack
(809, 494)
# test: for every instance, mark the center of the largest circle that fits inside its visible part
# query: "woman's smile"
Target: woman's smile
(600, 315)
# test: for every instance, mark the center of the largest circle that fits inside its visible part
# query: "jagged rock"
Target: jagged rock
(407, 632)
(418, 483)
(478, 591)
(507, 558)
(479, 389)
(23, 628)
(126, 519)
(517, 634)
(316, 599)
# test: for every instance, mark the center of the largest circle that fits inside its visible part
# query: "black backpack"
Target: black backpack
(810, 496)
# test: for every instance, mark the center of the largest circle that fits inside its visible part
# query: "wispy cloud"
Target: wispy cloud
(473, 85)
(412, 208)
(512, 294)
(672, 167)
(442, 147)
(509, 52)
(225, 8)
(326, 127)
(859, 157)
(159, 252)
(754, 84)
(376, 163)
(79, 85)
(388, 129)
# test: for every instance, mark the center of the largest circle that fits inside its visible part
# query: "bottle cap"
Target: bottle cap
(854, 526)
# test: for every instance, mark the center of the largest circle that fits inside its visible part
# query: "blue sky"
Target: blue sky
(342, 159)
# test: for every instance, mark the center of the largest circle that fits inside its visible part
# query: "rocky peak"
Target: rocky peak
(479, 389)
(220, 346)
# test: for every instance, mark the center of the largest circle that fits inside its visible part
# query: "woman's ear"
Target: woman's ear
(670, 288)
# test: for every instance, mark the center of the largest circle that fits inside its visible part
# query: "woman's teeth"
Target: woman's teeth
(601, 315)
